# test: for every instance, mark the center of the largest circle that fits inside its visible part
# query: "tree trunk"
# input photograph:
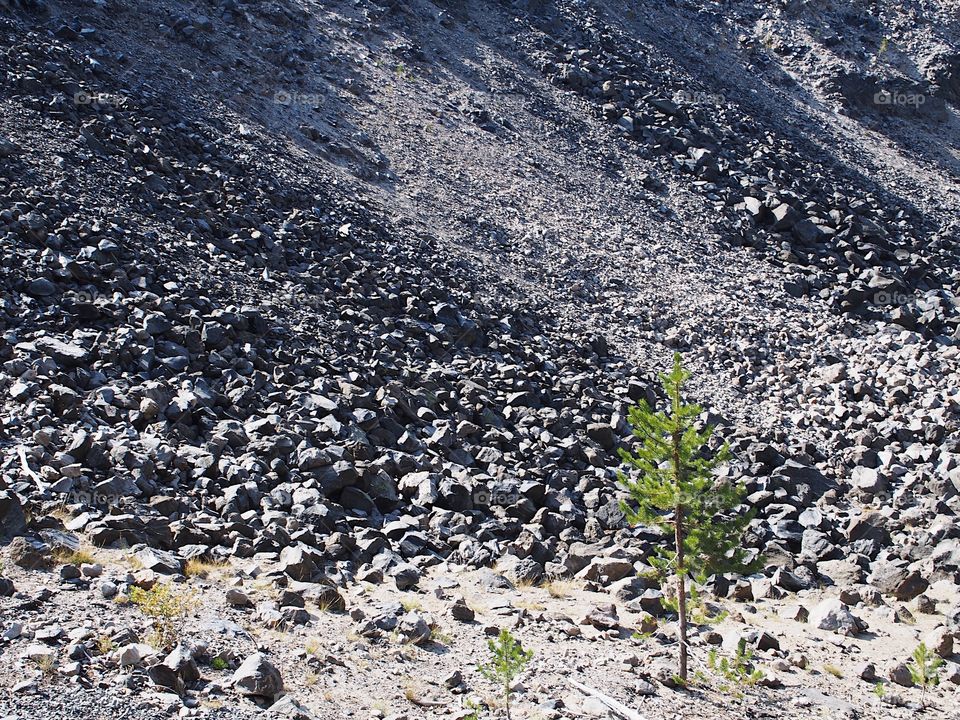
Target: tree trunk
(681, 593)
(678, 542)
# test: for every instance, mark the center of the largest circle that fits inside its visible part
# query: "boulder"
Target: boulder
(258, 677)
(832, 615)
(160, 561)
(13, 522)
(892, 578)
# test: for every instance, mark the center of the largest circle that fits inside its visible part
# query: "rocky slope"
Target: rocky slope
(336, 295)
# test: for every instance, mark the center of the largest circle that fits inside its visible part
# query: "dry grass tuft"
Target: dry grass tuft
(80, 556)
(560, 588)
(198, 567)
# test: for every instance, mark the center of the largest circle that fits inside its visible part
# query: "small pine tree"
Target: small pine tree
(508, 659)
(675, 491)
(925, 670)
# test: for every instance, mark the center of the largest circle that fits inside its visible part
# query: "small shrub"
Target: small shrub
(508, 659)
(218, 663)
(531, 605)
(167, 608)
(833, 670)
(105, 645)
(412, 693)
(381, 707)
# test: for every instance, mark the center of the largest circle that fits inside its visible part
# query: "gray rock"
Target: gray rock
(414, 628)
(7, 587)
(607, 570)
(900, 674)
(237, 598)
(406, 576)
(288, 707)
(894, 579)
(602, 617)
(940, 641)
(834, 616)
(298, 561)
(133, 654)
(257, 676)
(160, 561)
(29, 554)
(41, 287)
(67, 354)
(40, 654)
(13, 522)
(461, 611)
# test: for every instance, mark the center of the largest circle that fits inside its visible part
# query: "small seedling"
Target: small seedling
(925, 670)
(879, 690)
(218, 663)
(739, 670)
(508, 659)
(474, 707)
(884, 46)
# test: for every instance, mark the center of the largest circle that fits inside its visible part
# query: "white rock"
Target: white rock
(834, 616)
(40, 653)
(133, 654)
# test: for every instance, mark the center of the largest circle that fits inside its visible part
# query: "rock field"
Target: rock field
(320, 323)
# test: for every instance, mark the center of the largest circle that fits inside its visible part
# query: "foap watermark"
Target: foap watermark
(105, 99)
(483, 496)
(91, 497)
(904, 99)
(89, 297)
(699, 97)
(289, 296)
(895, 299)
(288, 98)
